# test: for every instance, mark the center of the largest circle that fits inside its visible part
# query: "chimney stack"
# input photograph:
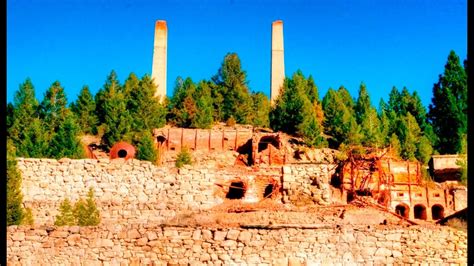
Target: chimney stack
(158, 72)
(278, 61)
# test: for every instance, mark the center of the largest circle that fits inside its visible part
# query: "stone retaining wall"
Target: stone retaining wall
(136, 191)
(155, 245)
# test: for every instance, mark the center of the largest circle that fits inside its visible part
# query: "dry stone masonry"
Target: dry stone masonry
(122, 244)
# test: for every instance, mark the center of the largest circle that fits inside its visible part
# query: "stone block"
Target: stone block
(219, 235)
(233, 234)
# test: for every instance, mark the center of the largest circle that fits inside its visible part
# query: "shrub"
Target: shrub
(15, 212)
(66, 215)
(184, 157)
(28, 219)
(230, 122)
(86, 212)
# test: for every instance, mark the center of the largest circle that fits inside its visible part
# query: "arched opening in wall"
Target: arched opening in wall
(403, 210)
(161, 140)
(437, 212)
(420, 212)
(122, 153)
(265, 141)
(236, 190)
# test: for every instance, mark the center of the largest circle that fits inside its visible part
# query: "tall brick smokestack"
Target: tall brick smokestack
(278, 61)
(158, 71)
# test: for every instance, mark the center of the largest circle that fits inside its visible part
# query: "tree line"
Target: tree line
(129, 112)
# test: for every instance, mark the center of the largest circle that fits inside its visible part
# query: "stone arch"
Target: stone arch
(237, 189)
(437, 212)
(420, 211)
(271, 189)
(122, 150)
(403, 210)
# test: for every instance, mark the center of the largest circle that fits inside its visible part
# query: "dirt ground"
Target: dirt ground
(234, 213)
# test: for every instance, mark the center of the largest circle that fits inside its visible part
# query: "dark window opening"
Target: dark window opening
(400, 194)
(436, 195)
(236, 190)
(364, 192)
(350, 196)
(437, 212)
(402, 210)
(268, 191)
(264, 141)
(122, 153)
(419, 194)
(420, 212)
(161, 139)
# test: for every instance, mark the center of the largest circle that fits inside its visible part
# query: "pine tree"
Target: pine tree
(144, 108)
(66, 214)
(203, 117)
(15, 212)
(84, 110)
(22, 113)
(294, 113)
(339, 121)
(448, 108)
(424, 150)
(182, 105)
(409, 134)
(53, 108)
(395, 146)
(111, 109)
(146, 148)
(261, 110)
(65, 142)
(363, 104)
(35, 141)
(232, 85)
(86, 212)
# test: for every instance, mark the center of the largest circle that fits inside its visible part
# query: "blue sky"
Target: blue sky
(382, 43)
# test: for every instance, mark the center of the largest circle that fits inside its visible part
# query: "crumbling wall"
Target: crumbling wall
(147, 244)
(136, 191)
(308, 184)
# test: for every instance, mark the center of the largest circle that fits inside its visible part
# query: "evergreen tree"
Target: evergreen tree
(111, 109)
(146, 148)
(424, 150)
(395, 145)
(339, 120)
(409, 134)
(294, 113)
(22, 113)
(65, 142)
(182, 105)
(370, 127)
(35, 141)
(448, 108)
(66, 214)
(261, 110)
(84, 110)
(53, 108)
(232, 85)
(15, 212)
(363, 104)
(86, 212)
(384, 126)
(145, 109)
(203, 117)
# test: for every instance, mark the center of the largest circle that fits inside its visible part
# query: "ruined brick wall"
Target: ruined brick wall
(147, 244)
(136, 191)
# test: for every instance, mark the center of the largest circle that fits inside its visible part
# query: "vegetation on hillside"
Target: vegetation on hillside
(129, 112)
